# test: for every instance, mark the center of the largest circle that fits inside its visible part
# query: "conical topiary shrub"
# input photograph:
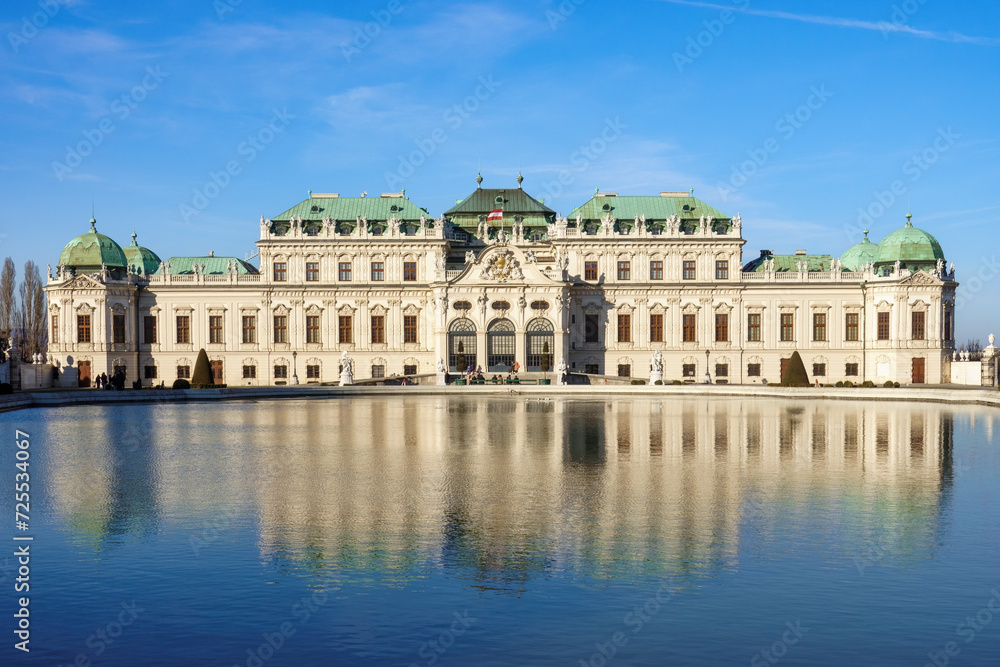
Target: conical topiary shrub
(795, 373)
(202, 370)
(544, 364)
(461, 365)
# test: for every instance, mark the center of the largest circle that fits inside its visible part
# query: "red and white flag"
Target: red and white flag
(495, 214)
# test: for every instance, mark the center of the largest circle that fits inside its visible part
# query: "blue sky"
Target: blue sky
(810, 119)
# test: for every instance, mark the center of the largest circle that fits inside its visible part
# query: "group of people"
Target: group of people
(115, 382)
(477, 375)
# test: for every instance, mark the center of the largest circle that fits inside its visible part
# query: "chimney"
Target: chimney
(765, 253)
(211, 253)
(800, 252)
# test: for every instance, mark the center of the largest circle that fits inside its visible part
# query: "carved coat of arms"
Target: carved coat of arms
(502, 267)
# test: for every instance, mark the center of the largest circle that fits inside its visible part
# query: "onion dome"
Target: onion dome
(141, 260)
(859, 254)
(91, 251)
(913, 248)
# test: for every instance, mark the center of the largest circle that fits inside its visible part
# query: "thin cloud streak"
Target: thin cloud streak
(881, 26)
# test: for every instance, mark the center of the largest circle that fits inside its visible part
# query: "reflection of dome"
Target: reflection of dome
(913, 248)
(859, 254)
(91, 251)
(141, 260)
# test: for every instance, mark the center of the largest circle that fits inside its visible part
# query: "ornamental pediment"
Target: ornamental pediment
(920, 278)
(82, 282)
(503, 264)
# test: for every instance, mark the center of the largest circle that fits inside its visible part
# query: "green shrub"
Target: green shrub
(896, 385)
(887, 384)
(544, 366)
(839, 384)
(638, 382)
(676, 382)
(658, 382)
(868, 383)
(181, 383)
(6, 388)
(202, 370)
(848, 383)
(461, 365)
(795, 373)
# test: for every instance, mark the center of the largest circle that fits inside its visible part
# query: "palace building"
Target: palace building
(497, 278)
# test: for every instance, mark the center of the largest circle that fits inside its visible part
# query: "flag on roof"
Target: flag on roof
(495, 214)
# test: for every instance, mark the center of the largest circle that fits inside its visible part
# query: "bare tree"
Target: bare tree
(29, 319)
(8, 278)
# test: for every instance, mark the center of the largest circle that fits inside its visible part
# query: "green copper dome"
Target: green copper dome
(859, 254)
(91, 251)
(913, 248)
(141, 260)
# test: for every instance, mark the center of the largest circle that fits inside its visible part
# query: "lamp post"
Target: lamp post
(295, 372)
(708, 376)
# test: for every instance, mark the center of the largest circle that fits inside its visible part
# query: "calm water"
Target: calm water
(452, 531)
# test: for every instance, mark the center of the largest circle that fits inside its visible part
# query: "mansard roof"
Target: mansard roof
(335, 207)
(789, 263)
(512, 201)
(213, 265)
(668, 204)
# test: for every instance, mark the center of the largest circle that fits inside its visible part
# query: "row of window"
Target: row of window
(688, 270)
(722, 370)
(345, 271)
(280, 371)
(689, 329)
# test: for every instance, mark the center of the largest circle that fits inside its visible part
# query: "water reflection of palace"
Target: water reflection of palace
(496, 491)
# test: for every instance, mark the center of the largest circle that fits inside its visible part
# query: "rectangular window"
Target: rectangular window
(591, 328)
(378, 272)
(787, 326)
(118, 328)
(378, 328)
(312, 329)
(753, 327)
(722, 269)
(883, 326)
(819, 327)
(819, 370)
(687, 370)
(689, 332)
(722, 370)
(249, 329)
(409, 271)
(312, 271)
(409, 369)
(949, 324)
(917, 329)
(280, 271)
(590, 270)
(624, 328)
(624, 270)
(688, 272)
(183, 372)
(183, 328)
(54, 338)
(281, 328)
(656, 270)
(280, 372)
(149, 372)
(378, 371)
(851, 370)
(312, 372)
(149, 329)
(656, 328)
(344, 330)
(624, 370)
(249, 372)
(344, 271)
(591, 369)
(215, 328)
(851, 327)
(409, 328)
(721, 328)
(753, 370)
(216, 371)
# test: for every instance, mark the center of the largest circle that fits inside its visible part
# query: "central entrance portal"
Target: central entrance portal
(500, 346)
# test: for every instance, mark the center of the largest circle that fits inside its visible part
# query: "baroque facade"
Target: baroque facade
(499, 278)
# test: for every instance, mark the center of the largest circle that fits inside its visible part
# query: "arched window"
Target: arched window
(500, 346)
(540, 341)
(461, 345)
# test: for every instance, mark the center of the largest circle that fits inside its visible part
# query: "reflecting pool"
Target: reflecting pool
(509, 531)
